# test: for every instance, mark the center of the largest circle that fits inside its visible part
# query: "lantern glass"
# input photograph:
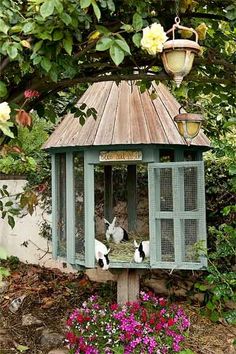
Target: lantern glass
(188, 129)
(177, 62)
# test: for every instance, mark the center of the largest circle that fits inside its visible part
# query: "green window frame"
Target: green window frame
(176, 214)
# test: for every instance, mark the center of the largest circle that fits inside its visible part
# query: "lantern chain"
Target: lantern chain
(177, 19)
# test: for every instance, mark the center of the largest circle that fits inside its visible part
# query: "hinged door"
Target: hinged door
(177, 215)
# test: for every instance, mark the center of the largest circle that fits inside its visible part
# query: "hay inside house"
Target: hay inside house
(124, 251)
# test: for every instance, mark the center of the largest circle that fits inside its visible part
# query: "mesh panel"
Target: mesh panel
(61, 195)
(167, 240)
(190, 230)
(166, 195)
(190, 188)
(79, 205)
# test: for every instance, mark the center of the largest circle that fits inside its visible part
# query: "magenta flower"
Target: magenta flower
(145, 326)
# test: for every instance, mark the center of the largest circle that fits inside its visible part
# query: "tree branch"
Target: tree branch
(205, 15)
(49, 87)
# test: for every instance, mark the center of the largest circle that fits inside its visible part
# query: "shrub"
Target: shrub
(145, 326)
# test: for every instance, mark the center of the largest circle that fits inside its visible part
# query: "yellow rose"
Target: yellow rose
(4, 112)
(201, 30)
(153, 39)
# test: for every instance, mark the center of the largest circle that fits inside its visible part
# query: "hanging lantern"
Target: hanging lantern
(189, 125)
(178, 54)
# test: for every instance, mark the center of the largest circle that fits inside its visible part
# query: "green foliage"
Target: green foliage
(219, 284)
(17, 164)
(3, 270)
(9, 209)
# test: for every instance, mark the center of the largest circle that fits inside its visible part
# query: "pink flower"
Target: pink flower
(171, 322)
(31, 93)
(72, 338)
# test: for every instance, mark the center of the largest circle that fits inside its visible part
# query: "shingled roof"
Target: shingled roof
(124, 117)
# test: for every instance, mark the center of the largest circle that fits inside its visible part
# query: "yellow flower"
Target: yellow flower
(153, 39)
(201, 30)
(4, 112)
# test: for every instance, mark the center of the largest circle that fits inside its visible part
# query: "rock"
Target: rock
(158, 285)
(50, 339)
(4, 285)
(29, 320)
(59, 351)
(100, 275)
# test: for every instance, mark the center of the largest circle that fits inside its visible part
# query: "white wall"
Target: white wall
(26, 229)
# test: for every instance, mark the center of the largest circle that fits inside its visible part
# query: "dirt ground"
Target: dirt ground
(50, 295)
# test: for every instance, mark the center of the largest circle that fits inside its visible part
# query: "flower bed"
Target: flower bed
(149, 325)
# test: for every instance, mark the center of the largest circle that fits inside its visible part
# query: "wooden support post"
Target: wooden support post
(132, 197)
(108, 193)
(127, 286)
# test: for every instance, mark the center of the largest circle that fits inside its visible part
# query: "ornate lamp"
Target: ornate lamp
(178, 54)
(189, 125)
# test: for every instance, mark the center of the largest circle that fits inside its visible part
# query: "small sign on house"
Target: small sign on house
(125, 155)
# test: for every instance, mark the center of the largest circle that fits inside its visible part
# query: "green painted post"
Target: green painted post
(108, 193)
(179, 155)
(201, 205)
(132, 197)
(89, 229)
(70, 209)
(54, 175)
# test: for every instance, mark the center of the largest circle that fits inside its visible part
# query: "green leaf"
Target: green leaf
(22, 348)
(58, 6)
(137, 39)
(137, 22)
(123, 45)
(4, 272)
(37, 59)
(57, 35)
(37, 46)
(104, 43)
(3, 26)
(11, 221)
(68, 43)
(4, 127)
(214, 316)
(3, 89)
(117, 54)
(96, 10)
(12, 51)
(102, 29)
(66, 18)
(47, 8)
(231, 12)
(85, 3)
(46, 64)
(210, 305)
(127, 28)
(28, 27)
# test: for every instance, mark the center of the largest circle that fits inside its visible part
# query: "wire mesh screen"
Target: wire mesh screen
(167, 240)
(61, 204)
(190, 188)
(190, 232)
(166, 190)
(79, 205)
